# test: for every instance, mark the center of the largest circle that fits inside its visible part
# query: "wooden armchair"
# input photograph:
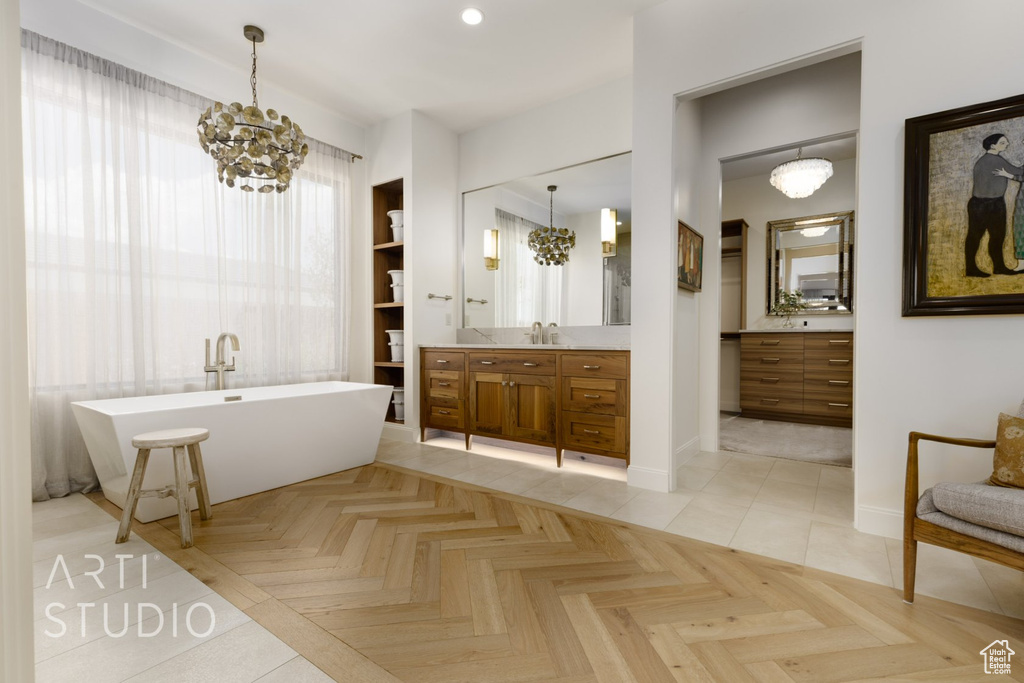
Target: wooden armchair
(916, 529)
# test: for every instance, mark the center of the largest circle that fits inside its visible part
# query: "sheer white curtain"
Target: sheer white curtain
(136, 253)
(525, 291)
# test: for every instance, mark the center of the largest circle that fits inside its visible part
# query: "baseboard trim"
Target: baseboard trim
(646, 478)
(399, 433)
(685, 452)
(879, 521)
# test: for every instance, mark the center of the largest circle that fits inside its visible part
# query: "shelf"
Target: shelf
(388, 364)
(389, 245)
(390, 304)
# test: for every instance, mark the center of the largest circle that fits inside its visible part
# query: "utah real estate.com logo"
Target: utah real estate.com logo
(997, 657)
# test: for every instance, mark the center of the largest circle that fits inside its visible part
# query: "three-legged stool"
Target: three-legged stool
(178, 440)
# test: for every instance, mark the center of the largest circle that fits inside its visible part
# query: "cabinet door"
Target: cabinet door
(487, 402)
(532, 407)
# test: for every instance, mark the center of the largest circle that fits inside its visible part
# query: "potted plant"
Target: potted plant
(789, 303)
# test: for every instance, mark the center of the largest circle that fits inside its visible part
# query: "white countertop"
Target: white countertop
(793, 329)
(532, 347)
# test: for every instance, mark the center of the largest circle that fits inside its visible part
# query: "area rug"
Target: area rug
(809, 443)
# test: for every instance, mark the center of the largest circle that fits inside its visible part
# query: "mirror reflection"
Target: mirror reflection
(812, 255)
(505, 286)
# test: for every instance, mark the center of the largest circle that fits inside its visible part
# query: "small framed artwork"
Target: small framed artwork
(690, 258)
(963, 215)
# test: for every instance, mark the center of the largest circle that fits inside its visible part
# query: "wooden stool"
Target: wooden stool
(177, 439)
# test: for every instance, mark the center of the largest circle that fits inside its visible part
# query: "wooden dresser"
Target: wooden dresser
(797, 376)
(561, 398)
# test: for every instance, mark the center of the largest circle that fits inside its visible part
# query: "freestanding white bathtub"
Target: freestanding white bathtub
(271, 437)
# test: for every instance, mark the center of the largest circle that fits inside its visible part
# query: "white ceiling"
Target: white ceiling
(602, 184)
(762, 163)
(372, 59)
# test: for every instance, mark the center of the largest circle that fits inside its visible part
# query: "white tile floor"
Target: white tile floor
(789, 510)
(97, 643)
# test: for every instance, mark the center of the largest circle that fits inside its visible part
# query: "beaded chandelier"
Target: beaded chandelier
(800, 177)
(551, 245)
(257, 151)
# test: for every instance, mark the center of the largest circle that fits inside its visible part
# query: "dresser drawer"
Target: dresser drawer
(446, 416)
(829, 408)
(768, 361)
(600, 432)
(444, 384)
(828, 367)
(769, 343)
(834, 343)
(777, 384)
(831, 389)
(443, 360)
(772, 404)
(522, 363)
(613, 365)
(591, 395)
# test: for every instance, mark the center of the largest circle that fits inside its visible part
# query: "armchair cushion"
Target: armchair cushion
(991, 506)
(930, 512)
(1008, 460)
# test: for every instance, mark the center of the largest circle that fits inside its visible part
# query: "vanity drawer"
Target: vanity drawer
(829, 408)
(600, 432)
(770, 343)
(832, 343)
(613, 365)
(592, 395)
(768, 361)
(444, 416)
(521, 363)
(829, 366)
(444, 384)
(788, 383)
(444, 360)
(772, 404)
(831, 389)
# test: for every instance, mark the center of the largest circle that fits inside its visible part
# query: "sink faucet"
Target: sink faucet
(221, 366)
(552, 334)
(537, 333)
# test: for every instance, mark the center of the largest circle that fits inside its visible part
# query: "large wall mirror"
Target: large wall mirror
(812, 255)
(506, 287)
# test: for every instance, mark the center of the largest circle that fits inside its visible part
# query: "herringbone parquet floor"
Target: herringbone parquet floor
(381, 574)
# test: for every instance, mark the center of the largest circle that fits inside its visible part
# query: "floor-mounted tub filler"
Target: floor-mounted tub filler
(260, 437)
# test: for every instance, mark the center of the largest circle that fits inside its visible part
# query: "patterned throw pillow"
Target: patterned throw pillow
(1008, 461)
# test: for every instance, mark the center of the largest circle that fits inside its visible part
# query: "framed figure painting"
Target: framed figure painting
(690, 258)
(963, 216)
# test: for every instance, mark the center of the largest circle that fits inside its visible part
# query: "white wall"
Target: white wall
(585, 270)
(16, 656)
(949, 375)
(757, 202)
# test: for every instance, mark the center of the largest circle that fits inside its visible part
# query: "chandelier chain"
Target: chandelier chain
(252, 78)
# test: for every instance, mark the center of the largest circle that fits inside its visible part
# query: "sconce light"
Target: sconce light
(609, 219)
(491, 249)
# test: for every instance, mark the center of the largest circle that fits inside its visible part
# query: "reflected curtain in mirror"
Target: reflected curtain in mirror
(524, 291)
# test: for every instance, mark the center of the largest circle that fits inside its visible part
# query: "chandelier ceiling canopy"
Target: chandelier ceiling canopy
(551, 245)
(257, 150)
(800, 177)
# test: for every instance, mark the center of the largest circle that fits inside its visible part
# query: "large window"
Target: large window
(136, 253)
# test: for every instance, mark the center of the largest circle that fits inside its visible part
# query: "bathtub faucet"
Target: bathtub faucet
(221, 366)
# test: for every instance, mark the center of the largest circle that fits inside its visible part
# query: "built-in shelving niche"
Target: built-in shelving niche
(387, 314)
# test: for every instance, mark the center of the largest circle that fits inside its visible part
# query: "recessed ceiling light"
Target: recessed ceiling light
(472, 16)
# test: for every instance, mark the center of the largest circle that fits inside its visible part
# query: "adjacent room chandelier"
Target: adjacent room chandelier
(256, 150)
(800, 177)
(551, 245)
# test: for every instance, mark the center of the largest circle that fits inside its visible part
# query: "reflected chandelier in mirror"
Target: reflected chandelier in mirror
(812, 255)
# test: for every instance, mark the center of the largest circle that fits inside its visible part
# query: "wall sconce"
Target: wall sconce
(609, 219)
(491, 249)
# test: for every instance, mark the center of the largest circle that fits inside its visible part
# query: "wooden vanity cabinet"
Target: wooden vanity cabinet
(559, 398)
(797, 376)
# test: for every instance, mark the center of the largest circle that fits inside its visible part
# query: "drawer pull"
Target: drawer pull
(444, 412)
(839, 405)
(838, 361)
(591, 395)
(770, 360)
(770, 342)
(591, 367)
(444, 384)
(769, 400)
(530, 365)
(839, 382)
(591, 431)
(770, 380)
(442, 362)
(838, 341)
(487, 362)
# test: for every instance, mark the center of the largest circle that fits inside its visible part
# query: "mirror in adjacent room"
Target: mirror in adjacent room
(812, 255)
(504, 286)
